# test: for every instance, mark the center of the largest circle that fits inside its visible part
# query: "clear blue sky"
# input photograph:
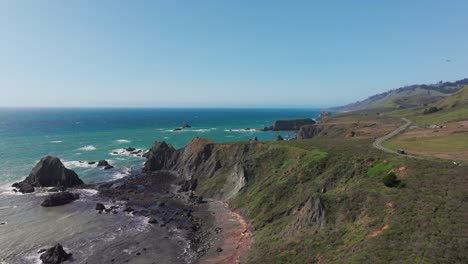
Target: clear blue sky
(172, 53)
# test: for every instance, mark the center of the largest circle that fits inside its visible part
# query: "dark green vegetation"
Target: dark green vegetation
(322, 200)
(391, 180)
(406, 97)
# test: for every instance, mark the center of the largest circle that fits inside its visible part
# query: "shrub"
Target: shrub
(391, 180)
(431, 110)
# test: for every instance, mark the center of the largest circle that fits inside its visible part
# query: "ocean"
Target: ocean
(78, 136)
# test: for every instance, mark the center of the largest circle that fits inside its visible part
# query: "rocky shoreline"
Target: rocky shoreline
(158, 195)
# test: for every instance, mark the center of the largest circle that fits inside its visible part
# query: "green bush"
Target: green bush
(391, 180)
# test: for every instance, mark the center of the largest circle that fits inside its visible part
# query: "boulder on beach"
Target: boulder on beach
(100, 207)
(49, 172)
(55, 255)
(60, 198)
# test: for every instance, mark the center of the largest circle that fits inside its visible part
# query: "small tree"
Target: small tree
(391, 180)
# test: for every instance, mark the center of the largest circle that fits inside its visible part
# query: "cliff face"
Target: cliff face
(309, 206)
(291, 124)
(309, 131)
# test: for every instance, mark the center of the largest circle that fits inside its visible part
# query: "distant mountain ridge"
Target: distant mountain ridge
(407, 96)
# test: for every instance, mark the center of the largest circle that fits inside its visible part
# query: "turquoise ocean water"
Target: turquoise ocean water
(76, 135)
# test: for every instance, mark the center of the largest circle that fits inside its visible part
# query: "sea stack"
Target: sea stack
(50, 172)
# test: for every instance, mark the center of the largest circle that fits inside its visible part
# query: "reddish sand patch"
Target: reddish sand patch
(378, 232)
(235, 238)
(389, 204)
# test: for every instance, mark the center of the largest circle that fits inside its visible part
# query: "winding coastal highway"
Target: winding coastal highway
(378, 142)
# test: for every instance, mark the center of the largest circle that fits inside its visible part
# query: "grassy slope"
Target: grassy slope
(425, 222)
(454, 108)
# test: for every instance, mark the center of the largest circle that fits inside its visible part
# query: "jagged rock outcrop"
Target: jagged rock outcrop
(309, 131)
(49, 172)
(159, 157)
(199, 159)
(60, 198)
(55, 255)
(323, 116)
(310, 214)
(291, 124)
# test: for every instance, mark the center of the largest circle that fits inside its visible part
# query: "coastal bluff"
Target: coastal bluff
(49, 172)
(289, 124)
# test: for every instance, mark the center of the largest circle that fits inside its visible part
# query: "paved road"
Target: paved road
(378, 142)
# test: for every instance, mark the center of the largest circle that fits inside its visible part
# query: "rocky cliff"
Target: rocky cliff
(289, 124)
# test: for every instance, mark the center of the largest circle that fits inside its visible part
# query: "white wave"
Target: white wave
(124, 152)
(77, 164)
(123, 141)
(87, 192)
(88, 148)
(119, 175)
(55, 141)
(240, 130)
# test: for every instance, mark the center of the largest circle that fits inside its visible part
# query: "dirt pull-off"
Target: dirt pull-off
(234, 238)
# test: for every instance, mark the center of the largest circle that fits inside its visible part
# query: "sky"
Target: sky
(213, 53)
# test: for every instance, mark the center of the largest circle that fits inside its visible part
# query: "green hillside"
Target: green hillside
(324, 201)
(451, 108)
(406, 97)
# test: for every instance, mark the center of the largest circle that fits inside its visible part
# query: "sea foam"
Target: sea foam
(123, 141)
(88, 148)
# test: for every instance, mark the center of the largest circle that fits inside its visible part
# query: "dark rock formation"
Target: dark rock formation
(177, 129)
(100, 207)
(91, 162)
(152, 220)
(49, 172)
(290, 124)
(60, 198)
(279, 138)
(130, 149)
(55, 255)
(159, 156)
(103, 163)
(24, 187)
(108, 167)
(309, 131)
(186, 125)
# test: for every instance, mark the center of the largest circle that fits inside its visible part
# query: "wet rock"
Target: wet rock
(108, 167)
(49, 172)
(91, 162)
(152, 220)
(100, 207)
(102, 163)
(279, 138)
(41, 251)
(219, 250)
(24, 187)
(60, 198)
(130, 149)
(55, 255)
(177, 129)
(128, 209)
(186, 125)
